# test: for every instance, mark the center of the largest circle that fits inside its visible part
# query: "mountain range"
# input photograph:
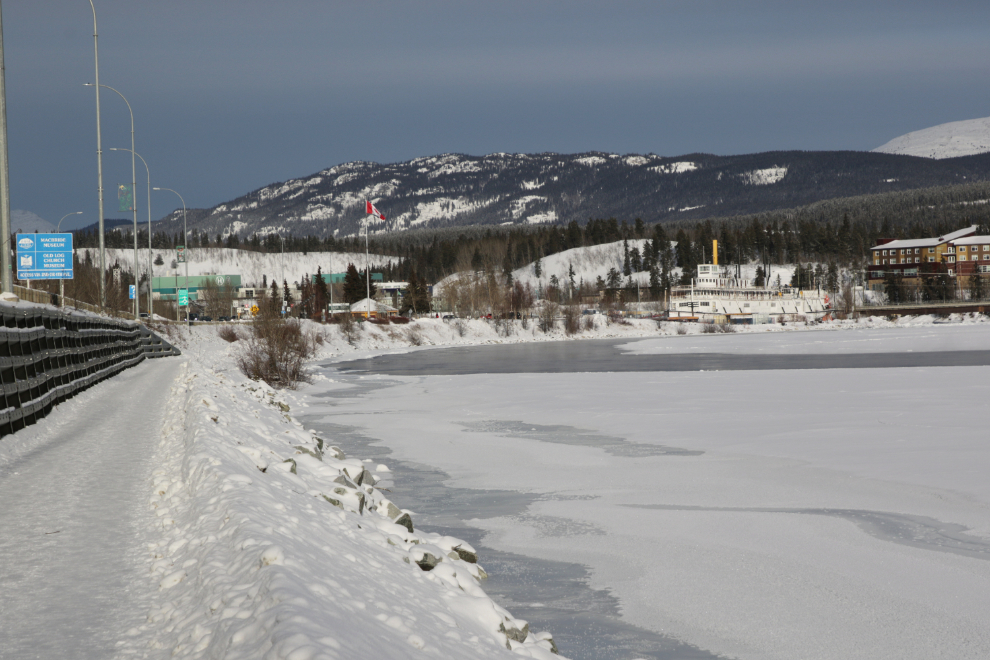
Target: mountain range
(520, 189)
(453, 190)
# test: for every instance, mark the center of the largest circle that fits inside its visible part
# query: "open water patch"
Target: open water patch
(569, 435)
(915, 531)
(550, 595)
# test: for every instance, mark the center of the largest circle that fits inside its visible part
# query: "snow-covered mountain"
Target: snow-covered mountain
(26, 222)
(454, 190)
(952, 140)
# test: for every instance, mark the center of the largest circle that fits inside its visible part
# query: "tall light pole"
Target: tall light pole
(6, 278)
(150, 271)
(133, 195)
(367, 266)
(185, 256)
(61, 282)
(99, 162)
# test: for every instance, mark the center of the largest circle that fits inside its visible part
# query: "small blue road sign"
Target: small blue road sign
(44, 256)
(131, 290)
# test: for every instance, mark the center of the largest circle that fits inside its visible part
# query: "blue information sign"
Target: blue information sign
(130, 291)
(44, 256)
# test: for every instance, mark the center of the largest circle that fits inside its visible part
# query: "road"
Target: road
(74, 489)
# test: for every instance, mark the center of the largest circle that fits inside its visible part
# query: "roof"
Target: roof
(362, 306)
(928, 242)
(972, 240)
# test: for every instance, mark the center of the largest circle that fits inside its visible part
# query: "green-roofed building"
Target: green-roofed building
(164, 288)
(338, 278)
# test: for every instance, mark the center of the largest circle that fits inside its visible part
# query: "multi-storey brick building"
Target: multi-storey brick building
(915, 258)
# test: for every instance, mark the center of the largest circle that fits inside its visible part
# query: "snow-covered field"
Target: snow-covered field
(770, 514)
(251, 266)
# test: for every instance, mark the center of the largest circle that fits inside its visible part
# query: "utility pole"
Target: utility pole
(7, 276)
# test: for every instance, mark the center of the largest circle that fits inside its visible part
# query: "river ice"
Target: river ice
(887, 468)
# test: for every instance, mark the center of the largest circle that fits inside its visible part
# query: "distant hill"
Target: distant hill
(526, 189)
(26, 222)
(958, 138)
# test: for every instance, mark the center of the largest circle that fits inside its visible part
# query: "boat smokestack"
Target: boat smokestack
(715, 252)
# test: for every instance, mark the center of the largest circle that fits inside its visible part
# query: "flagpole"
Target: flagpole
(367, 263)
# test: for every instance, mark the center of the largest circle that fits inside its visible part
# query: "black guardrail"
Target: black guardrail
(47, 356)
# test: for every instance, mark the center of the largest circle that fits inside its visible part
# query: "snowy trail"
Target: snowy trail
(72, 495)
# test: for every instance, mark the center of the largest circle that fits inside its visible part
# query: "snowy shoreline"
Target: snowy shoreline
(262, 539)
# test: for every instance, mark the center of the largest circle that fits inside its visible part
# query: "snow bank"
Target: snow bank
(266, 541)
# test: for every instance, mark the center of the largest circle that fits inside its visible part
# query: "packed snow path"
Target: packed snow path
(72, 493)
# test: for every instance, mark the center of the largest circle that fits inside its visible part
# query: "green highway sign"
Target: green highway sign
(184, 297)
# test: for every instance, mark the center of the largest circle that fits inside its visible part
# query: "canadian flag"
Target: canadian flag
(371, 210)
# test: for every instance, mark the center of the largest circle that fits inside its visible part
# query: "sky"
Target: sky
(231, 96)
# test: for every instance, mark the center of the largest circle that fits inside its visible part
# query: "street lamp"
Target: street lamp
(61, 282)
(185, 257)
(6, 278)
(133, 197)
(150, 271)
(99, 161)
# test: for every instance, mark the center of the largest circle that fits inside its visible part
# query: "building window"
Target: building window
(884, 262)
(951, 260)
(931, 260)
(951, 272)
(962, 248)
(917, 260)
(902, 253)
(986, 248)
(931, 250)
(986, 257)
(885, 253)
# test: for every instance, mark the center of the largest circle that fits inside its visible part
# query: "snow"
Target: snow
(589, 263)
(251, 266)
(590, 161)
(675, 168)
(764, 177)
(951, 140)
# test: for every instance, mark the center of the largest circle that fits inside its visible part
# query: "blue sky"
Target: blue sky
(231, 96)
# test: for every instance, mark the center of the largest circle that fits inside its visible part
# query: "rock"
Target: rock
(293, 468)
(466, 555)
(315, 453)
(365, 478)
(332, 501)
(344, 481)
(284, 407)
(405, 521)
(428, 562)
(337, 453)
(515, 634)
(319, 443)
(547, 638)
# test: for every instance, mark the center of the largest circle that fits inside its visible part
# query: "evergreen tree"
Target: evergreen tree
(761, 276)
(286, 293)
(320, 294)
(355, 287)
(626, 268)
(537, 268)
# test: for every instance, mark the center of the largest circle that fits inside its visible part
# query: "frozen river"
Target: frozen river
(751, 512)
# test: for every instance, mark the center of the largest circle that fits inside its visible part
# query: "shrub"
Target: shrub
(228, 333)
(276, 351)
(572, 320)
(681, 329)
